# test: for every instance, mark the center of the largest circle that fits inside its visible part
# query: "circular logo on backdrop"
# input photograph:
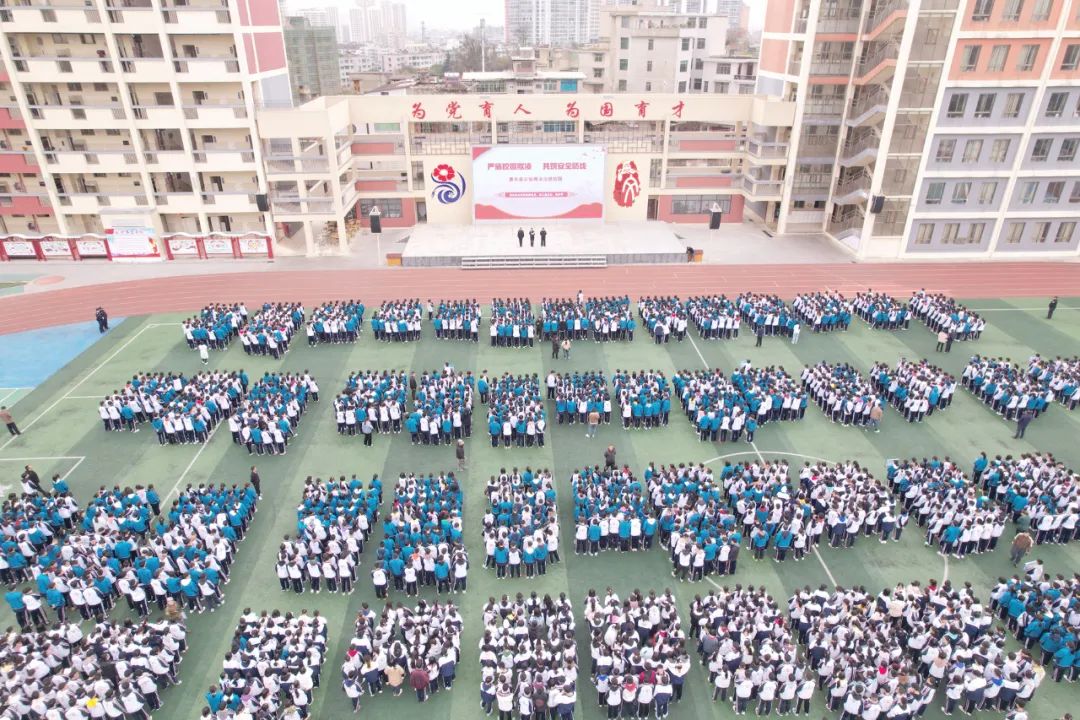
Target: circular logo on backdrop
(449, 185)
(627, 183)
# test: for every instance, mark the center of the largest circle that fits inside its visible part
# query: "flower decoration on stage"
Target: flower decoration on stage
(627, 183)
(449, 185)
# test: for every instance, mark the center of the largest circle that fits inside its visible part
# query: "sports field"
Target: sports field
(62, 434)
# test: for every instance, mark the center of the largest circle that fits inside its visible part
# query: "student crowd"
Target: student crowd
(271, 328)
(768, 312)
(579, 394)
(644, 398)
(521, 525)
(843, 394)
(442, 407)
(957, 517)
(419, 646)
(456, 319)
(371, 402)
(1060, 375)
(272, 668)
(823, 311)
(610, 511)
(269, 413)
(515, 410)
(639, 660)
(422, 542)
(528, 657)
(721, 408)
(398, 321)
(1005, 387)
(882, 311)
(1044, 614)
(341, 321)
(914, 388)
(666, 313)
(215, 326)
(716, 317)
(333, 521)
(180, 409)
(606, 318)
(941, 313)
(1038, 487)
(512, 323)
(118, 670)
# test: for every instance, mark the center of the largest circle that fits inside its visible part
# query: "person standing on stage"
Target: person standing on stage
(521, 237)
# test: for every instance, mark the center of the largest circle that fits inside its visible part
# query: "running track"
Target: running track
(186, 293)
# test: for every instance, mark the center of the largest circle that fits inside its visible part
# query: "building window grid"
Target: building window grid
(1014, 233)
(699, 204)
(1065, 232)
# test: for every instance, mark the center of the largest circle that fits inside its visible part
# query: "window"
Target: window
(1054, 190)
(725, 69)
(598, 57)
(982, 10)
(924, 234)
(389, 207)
(686, 44)
(985, 105)
(650, 43)
(648, 66)
(721, 87)
(998, 57)
(1042, 231)
(682, 86)
(683, 66)
(1055, 106)
(969, 58)
(703, 22)
(648, 87)
(624, 21)
(696, 84)
(1041, 13)
(622, 86)
(1013, 8)
(975, 233)
(1028, 55)
(1072, 57)
(987, 191)
(957, 105)
(972, 151)
(934, 193)
(624, 64)
(999, 150)
(624, 43)
(698, 64)
(1014, 103)
(952, 232)
(699, 204)
(1067, 151)
(960, 193)
(1041, 150)
(1028, 191)
(1014, 232)
(1065, 232)
(1074, 196)
(598, 72)
(945, 150)
(559, 126)
(701, 43)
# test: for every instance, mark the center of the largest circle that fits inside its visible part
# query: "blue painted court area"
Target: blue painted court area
(28, 358)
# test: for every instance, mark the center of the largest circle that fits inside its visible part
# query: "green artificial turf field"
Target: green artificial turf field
(63, 434)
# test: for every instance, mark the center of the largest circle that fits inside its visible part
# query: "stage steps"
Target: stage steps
(479, 262)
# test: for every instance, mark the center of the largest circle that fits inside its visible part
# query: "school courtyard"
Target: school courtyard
(62, 434)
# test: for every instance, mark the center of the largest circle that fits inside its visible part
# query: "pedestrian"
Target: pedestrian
(1051, 308)
(532, 238)
(459, 452)
(7, 418)
(609, 458)
(418, 680)
(256, 481)
(102, 318)
(554, 347)
(204, 353)
(1022, 422)
(566, 349)
(759, 331)
(949, 337)
(543, 237)
(1020, 546)
(521, 237)
(31, 482)
(594, 423)
(367, 428)
(795, 334)
(942, 338)
(876, 413)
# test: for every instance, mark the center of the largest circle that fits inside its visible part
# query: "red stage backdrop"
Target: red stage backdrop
(538, 182)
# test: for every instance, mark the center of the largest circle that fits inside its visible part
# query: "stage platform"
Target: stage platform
(568, 245)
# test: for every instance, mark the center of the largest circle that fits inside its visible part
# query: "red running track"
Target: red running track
(188, 293)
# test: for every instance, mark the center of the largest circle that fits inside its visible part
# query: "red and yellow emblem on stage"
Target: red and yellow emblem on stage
(447, 191)
(627, 183)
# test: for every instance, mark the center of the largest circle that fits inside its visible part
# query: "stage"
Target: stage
(568, 245)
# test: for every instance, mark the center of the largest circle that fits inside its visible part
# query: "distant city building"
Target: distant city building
(323, 17)
(550, 22)
(313, 59)
(382, 23)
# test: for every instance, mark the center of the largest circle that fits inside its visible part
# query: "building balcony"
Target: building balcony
(91, 161)
(811, 186)
(295, 205)
(838, 24)
(794, 66)
(95, 202)
(167, 116)
(207, 69)
(230, 201)
(216, 114)
(10, 119)
(766, 151)
(25, 204)
(178, 202)
(830, 66)
(762, 189)
(224, 156)
(853, 189)
(367, 145)
(42, 16)
(167, 160)
(703, 143)
(58, 117)
(818, 147)
(196, 16)
(876, 61)
(290, 165)
(133, 16)
(145, 69)
(13, 162)
(40, 68)
(824, 109)
(846, 224)
(868, 108)
(381, 182)
(884, 14)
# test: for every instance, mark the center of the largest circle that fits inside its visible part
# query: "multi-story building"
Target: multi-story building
(929, 126)
(382, 23)
(312, 53)
(332, 160)
(137, 114)
(550, 22)
(651, 47)
(325, 17)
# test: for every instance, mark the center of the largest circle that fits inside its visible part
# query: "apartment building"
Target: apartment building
(331, 161)
(550, 22)
(137, 114)
(312, 53)
(928, 126)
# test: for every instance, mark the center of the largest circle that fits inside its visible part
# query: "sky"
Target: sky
(466, 14)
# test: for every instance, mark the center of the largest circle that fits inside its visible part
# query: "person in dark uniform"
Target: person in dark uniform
(543, 237)
(1022, 422)
(759, 332)
(256, 482)
(412, 384)
(1051, 308)
(102, 318)
(31, 480)
(521, 237)
(532, 238)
